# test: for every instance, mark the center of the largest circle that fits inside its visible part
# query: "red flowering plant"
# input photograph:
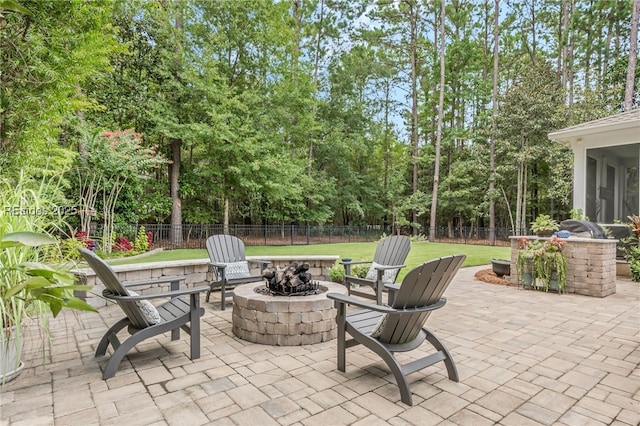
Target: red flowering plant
(85, 240)
(122, 244)
(553, 245)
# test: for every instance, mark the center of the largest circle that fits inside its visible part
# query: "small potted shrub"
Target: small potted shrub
(544, 226)
(524, 265)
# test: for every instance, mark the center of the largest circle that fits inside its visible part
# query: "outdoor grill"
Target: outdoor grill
(583, 229)
(588, 229)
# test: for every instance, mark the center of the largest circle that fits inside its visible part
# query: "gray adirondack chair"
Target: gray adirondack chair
(400, 327)
(387, 261)
(144, 320)
(229, 265)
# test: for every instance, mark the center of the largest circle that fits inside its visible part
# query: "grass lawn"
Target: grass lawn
(420, 252)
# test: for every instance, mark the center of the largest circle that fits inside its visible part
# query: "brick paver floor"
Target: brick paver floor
(524, 358)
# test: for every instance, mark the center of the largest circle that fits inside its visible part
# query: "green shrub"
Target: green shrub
(360, 271)
(69, 248)
(141, 244)
(631, 249)
(336, 273)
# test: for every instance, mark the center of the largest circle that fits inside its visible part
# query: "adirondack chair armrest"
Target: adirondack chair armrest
(161, 280)
(392, 287)
(347, 265)
(184, 292)
(393, 290)
(357, 262)
(343, 299)
(385, 267)
(261, 262)
(213, 265)
(357, 280)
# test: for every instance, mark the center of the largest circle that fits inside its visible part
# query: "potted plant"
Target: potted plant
(524, 265)
(29, 288)
(543, 264)
(550, 264)
(544, 226)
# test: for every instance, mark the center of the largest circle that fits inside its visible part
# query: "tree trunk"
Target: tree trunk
(494, 113)
(633, 57)
(436, 171)
(174, 184)
(414, 108)
(176, 157)
(225, 218)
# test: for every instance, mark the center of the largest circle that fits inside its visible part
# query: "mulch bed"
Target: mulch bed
(488, 276)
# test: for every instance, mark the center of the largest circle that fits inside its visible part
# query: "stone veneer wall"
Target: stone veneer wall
(195, 272)
(285, 320)
(591, 265)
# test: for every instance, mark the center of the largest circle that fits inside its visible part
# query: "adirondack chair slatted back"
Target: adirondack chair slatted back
(422, 286)
(113, 285)
(392, 250)
(225, 249)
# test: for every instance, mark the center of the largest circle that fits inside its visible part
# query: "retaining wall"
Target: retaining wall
(195, 271)
(591, 265)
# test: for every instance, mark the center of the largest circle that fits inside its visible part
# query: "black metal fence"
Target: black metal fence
(195, 235)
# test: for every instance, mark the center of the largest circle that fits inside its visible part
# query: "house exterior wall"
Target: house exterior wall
(614, 143)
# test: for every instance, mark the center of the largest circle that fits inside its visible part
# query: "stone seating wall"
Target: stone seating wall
(195, 271)
(591, 265)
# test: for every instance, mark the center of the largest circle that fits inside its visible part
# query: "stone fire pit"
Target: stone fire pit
(284, 320)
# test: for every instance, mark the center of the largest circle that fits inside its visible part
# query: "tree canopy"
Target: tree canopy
(315, 111)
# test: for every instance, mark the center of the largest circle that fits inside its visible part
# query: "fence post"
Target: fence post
(292, 230)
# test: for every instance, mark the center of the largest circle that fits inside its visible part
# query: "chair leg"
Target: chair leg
(341, 335)
(452, 371)
(194, 314)
(378, 290)
(396, 369)
(121, 352)
(104, 342)
(223, 297)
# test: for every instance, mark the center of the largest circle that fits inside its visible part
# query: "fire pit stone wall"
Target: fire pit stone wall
(284, 320)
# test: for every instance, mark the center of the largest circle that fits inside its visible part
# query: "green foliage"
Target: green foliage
(141, 243)
(46, 55)
(65, 250)
(419, 238)
(359, 271)
(336, 273)
(288, 112)
(631, 247)
(117, 164)
(29, 287)
(577, 214)
(544, 224)
(632, 256)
